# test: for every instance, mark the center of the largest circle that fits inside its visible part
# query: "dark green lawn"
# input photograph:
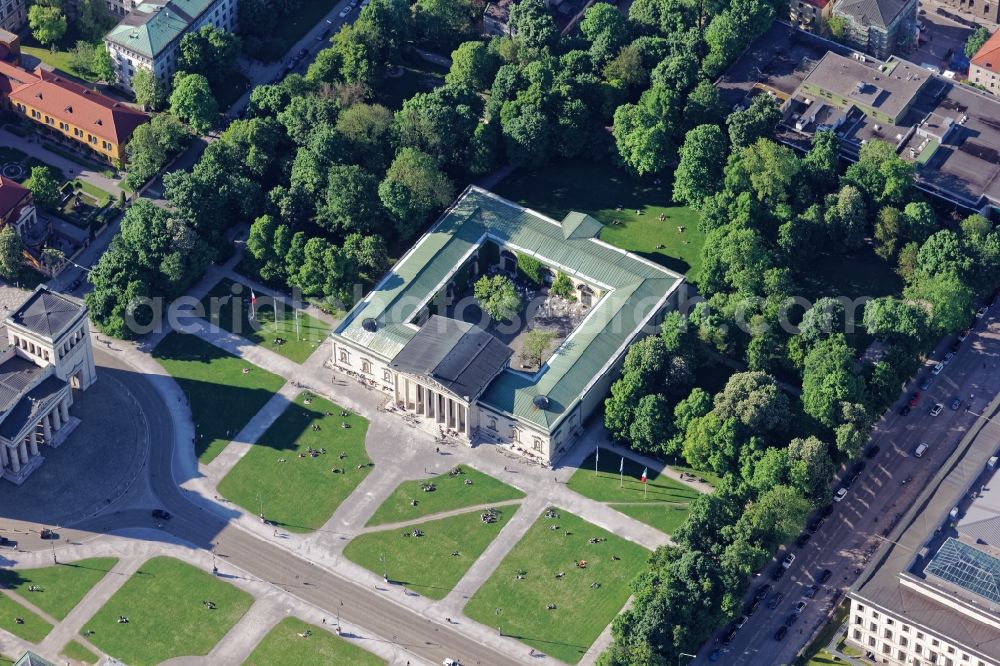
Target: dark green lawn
(62, 585)
(34, 628)
(231, 89)
(451, 493)
(222, 398)
(428, 564)
(301, 493)
(581, 612)
(302, 335)
(285, 645)
(598, 189)
(163, 602)
(862, 273)
(418, 76)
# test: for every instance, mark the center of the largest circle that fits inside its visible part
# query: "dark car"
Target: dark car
(49, 534)
(160, 514)
(914, 399)
(904, 410)
(956, 403)
(825, 576)
(803, 539)
(811, 591)
(779, 635)
(9, 543)
(779, 571)
(729, 636)
(816, 524)
(75, 284)
(791, 619)
(775, 599)
(871, 451)
(826, 511)
(926, 384)
(762, 591)
(751, 608)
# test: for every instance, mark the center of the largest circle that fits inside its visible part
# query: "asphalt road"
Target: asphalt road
(243, 554)
(874, 502)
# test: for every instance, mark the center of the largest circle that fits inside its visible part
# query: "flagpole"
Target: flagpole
(597, 456)
(621, 474)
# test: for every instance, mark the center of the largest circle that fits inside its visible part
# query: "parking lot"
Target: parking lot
(878, 491)
(940, 39)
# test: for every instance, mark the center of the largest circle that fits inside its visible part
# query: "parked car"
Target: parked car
(779, 635)
(840, 495)
(716, 653)
(779, 571)
(825, 576)
(826, 511)
(936, 409)
(752, 607)
(799, 607)
(741, 622)
(948, 357)
(9, 543)
(48, 534)
(810, 591)
(914, 399)
(762, 592)
(956, 402)
(344, 12)
(937, 369)
(963, 335)
(790, 620)
(729, 636)
(787, 562)
(775, 599)
(160, 514)
(927, 383)
(803, 539)
(981, 312)
(921, 450)
(816, 524)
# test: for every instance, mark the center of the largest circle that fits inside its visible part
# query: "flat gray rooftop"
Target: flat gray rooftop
(887, 88)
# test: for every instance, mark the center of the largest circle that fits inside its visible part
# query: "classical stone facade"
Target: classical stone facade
(49, 355)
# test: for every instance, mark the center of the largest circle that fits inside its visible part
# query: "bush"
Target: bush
(563, 286)
(531, 269)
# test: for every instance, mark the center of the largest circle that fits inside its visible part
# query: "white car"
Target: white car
(921, 450)
(937, 369)
(840, 495)
(345, 11)
(936, 409)
(981, 312)
(787, 562)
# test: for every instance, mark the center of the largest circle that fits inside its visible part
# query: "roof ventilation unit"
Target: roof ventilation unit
(369, 325)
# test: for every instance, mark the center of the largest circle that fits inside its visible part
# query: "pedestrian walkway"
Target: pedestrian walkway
(32, 146)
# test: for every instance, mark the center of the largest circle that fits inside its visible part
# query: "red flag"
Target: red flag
(253, 298)
(643, 477)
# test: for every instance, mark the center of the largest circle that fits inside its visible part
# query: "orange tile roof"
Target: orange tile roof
(988, 57)
(12, 196)
(70, 102)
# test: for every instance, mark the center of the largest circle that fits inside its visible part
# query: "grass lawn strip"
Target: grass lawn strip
(301, 338)
(598, 189)
(284, 645)
(664, 516)
(451, 492)
(581, 611)
(34, 628)
(301, 493)
(163, 602)
(222, 398)
(62, 586)
(428, 564)
(78, 652)
(604, 486)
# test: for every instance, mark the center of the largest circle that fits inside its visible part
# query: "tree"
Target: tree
(102, 65)
(92, 18)
(947, 298)
(642, 139)
(606, 30)
(351, 200)
(881, 174)
(896, 319)
(536, 343)
(756, 121)
(440, 24)
(210, 51)
(473, 65)
(943, 253)
(532, 25)
(838, 27)
(151, 146)
(526, 132)
(626, 68)
(11, 253)
(824, 318)
(497, 296)
(651, 424)
(150, 93)
(192, 102)
(562, 286)
(754, 400)
(414, 188)
(44, 186)
(829, 380)
(976, 40)
(440, 123)
(81, 57)
(702, 159)
(847, 217)
(810, 468)
(889, 229)
(48, 24)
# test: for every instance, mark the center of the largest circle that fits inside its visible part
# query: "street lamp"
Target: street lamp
(260, 503)
(385, 572)
(499, 628)
(685, 654)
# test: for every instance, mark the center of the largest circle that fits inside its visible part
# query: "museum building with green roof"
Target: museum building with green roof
(412, 338)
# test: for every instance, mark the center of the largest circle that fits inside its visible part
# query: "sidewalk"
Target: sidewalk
(32, 146)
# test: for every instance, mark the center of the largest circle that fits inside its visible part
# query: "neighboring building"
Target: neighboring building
(16, 207)
(400, 337)
(150, 34)
(810, 15)
(48, 356)
(496, 18)
(67, 109)
(13, 14)
(988, 10)
(984, 68)
(879, 27)
(931, 594)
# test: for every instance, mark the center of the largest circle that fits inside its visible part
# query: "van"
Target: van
(992, 463)
(920, 450)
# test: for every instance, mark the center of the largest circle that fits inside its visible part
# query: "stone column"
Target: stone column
(64, 410)
(430, 397)
(3, 457)
(33, 441)
(15, 461)
(23, 450)
(47, 429)
(451, 414)
(54, 415)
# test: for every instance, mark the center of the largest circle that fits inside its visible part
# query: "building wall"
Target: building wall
(882, 42)
(222, 14)
(13, 14)
(808, 16)
(982, 9)
(987, 78)
(107, 149)
(895, 642)
(843, 102)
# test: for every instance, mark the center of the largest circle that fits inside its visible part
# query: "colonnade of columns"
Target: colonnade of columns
(15, 455)
(430, 403)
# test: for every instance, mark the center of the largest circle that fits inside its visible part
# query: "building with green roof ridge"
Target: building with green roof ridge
(149, 35)
(454, 373)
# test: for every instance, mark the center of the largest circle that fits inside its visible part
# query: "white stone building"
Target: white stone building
(48, 357)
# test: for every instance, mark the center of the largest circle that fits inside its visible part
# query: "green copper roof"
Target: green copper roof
(634, 290)
(152, 26)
